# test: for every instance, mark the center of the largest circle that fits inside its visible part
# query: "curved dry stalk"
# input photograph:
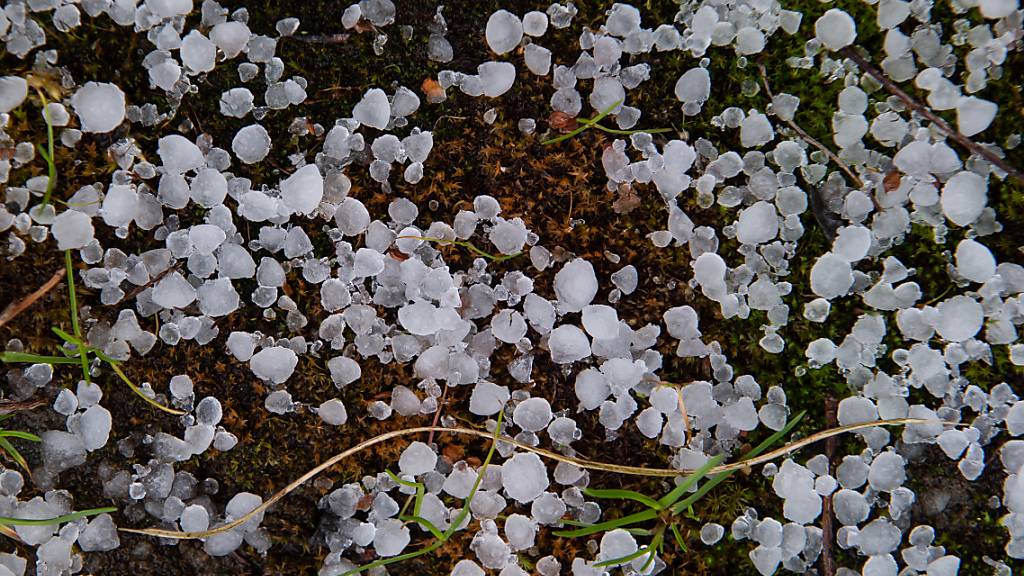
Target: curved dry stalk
(581, 462)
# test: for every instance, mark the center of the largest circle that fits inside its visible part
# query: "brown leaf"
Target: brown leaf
(627, 201)
(891, 181)
(433, 90)
(562, 122)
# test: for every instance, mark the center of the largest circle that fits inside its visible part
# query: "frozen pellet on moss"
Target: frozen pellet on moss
(274, 364)
(251, 144)
(100, 106)
(503, 32)
(835, 29)
(343, 370)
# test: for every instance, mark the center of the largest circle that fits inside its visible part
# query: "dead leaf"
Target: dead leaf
(627, 201)
(891, 181)
(562, 122)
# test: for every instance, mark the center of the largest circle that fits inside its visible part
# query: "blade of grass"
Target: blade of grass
(624, 559)
(8, 521)
(83, 354)
(669, 499)
(139, 393)
(425, 523)
(643, 516)
(719, 478)
(678, 536)
(11, 451)
(19, 434)
(618, 494)
(26, 358)
(584, 125)
(51, 182)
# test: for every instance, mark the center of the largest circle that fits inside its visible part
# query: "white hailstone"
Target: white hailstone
(100, 535)
(953, 442)
(352, 217)
(887, 472)
(274, 364)
(757, 224)
(195, 518)
(974, 261)
(417, 459)
(821, 351)
(538, 59)
(165, 74)
(303, 190)
(959, 318)
(94, 427)
(496, 77)
(218, 297)
(600, 321)
(521, 531)
(464, 567)
(649, 422)
(390, 538)
(524, 477)
(231, 37)
(198, 54)
(72, 229)
(626, 279)
(852, 243)
(209, 188)
(178, 154)
(100, 106)
(535, 23)
(373, 110)
(251, 144)
(487, 398)
(344, 370)
(419, 318)
(508, 236)
(206, 238)
(964, 197)
(532, 414)
(120, 205)
(749, 40)
(13, 91)
(974, 115)
(508, 326)
(835, 29)
(756, 130)
(173, 291)
(236, 102)
(694, 86)
(616, 544)
(831, 276)
(575, 285)
(856, 410)
(504, 31)
(235, 262)
(998, 8)
(568, 344)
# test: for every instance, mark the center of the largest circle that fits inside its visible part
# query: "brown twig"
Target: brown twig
(932, 117)
(807, 137)
(11, 406)
(437, 413)
(828, 562)
(138, 289)
(15, 308)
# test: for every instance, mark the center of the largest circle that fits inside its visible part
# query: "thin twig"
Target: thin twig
(932, 117)
(828, 562)
(807, 137)
(11, 406)
(15, 308)
(138, 289)
(437, 413)
(580, 462)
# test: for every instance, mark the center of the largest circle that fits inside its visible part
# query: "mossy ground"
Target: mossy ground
(558, 190)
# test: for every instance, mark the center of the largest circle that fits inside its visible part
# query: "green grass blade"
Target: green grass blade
(678, 536)
(72, 297)
(584, 125)
(26, 358)
(643, 516)
(631, 132)
(399, 480)
(719, 478)
(425, 523)
(11, 451)
(51, 182)
(8, 521)
(139, 393)
(19, 434)
(624, 559)
(618, 494)
(677, 492)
